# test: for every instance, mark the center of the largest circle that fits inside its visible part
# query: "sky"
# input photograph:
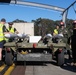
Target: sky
(28, 13)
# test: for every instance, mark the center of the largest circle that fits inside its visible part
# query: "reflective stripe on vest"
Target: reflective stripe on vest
(11, 30)
(55, 31)
(1, 33)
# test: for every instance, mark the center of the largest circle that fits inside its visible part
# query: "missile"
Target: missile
(21, 35)
(58, 36)
(10, 35)
(48, 35)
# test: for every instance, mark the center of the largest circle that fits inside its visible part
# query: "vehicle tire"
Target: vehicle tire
(8, 58)
(60, 58)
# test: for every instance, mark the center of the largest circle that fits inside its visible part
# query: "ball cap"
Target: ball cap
(3, 20)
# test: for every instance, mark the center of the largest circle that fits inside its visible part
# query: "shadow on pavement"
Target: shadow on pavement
(68, 66)
(31, 63)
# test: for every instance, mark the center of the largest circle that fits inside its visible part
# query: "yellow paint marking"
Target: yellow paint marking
(2, 67)
(10, 69)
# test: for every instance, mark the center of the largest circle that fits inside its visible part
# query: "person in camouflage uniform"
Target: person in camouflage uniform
(65, 32)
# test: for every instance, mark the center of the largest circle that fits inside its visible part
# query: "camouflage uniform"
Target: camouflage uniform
(67, 34)
(64, 31)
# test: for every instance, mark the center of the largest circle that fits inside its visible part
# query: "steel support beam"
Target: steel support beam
(65, 12)
(64, 17)
(38, 5)
(45, 6)
(42, 6)
(69, 7)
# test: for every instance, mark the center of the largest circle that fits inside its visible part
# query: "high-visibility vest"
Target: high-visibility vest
(11, 30)
(1, 33)
(55, 31)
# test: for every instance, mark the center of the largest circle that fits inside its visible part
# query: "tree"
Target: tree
(18, 21)
(43, 26)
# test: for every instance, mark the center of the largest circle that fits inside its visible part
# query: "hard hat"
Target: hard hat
(10, 23)
(62, 23)
(3, 20)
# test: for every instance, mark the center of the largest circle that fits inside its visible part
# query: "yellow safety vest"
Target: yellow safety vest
(1, 33)
(11, 30)
(55, 31)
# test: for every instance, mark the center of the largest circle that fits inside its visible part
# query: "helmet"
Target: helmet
(3, 20)
(62, 23)
(10, 23)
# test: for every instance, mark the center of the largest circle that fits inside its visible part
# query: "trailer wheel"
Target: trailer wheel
(60, 58)
(8, 58)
